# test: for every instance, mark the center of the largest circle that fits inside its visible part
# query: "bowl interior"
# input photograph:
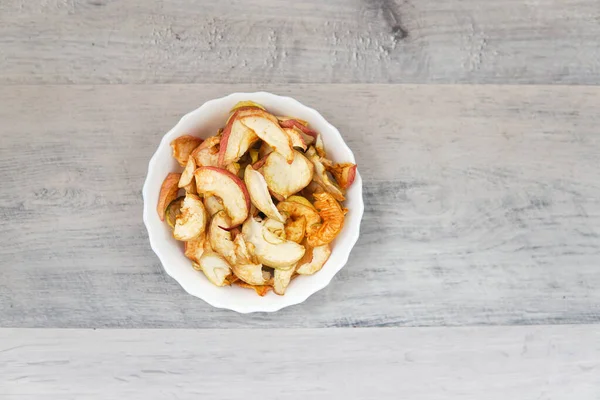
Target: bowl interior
(204, 122)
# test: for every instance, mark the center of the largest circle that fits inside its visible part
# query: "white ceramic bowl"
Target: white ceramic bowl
(204, 122)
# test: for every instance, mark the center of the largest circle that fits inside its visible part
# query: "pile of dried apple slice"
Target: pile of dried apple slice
(262, 201)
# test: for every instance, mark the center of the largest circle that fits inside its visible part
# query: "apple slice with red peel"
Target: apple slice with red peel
(266, 127)
(313, 260)
(321, 177)
(215, 267)
(168, 193)
(343, 173)
(287, 179)
(228, 187)
(236, 140)
(296, 137)
(207, 154)
(259, 194)
(282, 255)
(191, 222)
(183, 147)
(188, 172)
(295, 123)
(220, 238)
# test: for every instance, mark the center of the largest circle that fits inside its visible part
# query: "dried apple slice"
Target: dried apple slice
(207, 154)
(308, 134)
(168, 193)
(193, 249)
(277, 228)
(287, 179)
(236, 140)
(296, 137)
(282, 279)
(296, 210)
(313, 259)
(259, 194)
(220, 238)
(332, 215)
(188, 172)
(295, 229)
(183, 147)
(282, 255)
(266, 127)
(321, 177)
(215, 267)
(228, 187)
(173, 210)
(234, 168)
(192, 220)
(343, 173)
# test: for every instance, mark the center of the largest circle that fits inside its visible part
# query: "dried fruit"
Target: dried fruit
(332, 215)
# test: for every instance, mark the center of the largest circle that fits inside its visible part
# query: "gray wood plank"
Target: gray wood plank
(482, 207)
(279, 41)
(548, 362)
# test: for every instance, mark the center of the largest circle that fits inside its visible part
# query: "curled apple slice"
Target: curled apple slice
(193, 249)
(313, 259)
(321, 177)
(308, 134)
(332, 215)
(228, 187)
(183, 147)
(296, 211)
(259, 194)
(236, 140)
(215, 267)
(344, 174)
(281, 280)
(282, 255)
(191, 222)
(168, 193)
(277, 228)
(188, 173)
(220, 238)
(173, 210)
(287, 179)
(207, 154)
(266, 127)
(296, 137)
(295, 229)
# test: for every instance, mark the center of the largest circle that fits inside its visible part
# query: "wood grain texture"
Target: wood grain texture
(527, 363)
(278, 41)
(482, 207)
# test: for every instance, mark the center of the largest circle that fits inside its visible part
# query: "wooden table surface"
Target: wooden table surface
(476, 128)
